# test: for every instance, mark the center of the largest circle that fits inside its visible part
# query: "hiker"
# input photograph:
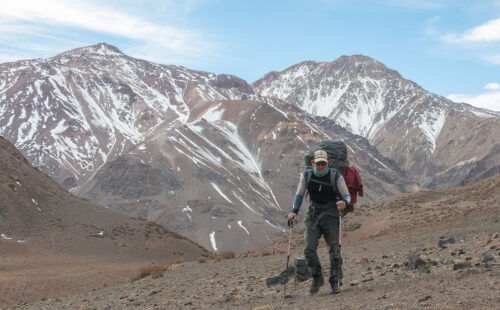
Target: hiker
(322, 217)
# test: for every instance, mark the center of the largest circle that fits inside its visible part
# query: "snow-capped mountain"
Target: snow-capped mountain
(197, 152)
(72, 113)
(227, 176)
(419, 130)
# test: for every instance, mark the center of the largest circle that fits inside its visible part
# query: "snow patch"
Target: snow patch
(241, 225)
(244, 203)
(214, 114)
(220, 192)
(272, 224)
(212, 241)
(4, 236)
(431, 126)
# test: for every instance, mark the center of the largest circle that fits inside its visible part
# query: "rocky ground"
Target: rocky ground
(456, 266)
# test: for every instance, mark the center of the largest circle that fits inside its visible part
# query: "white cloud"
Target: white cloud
(28, 18)
(416, 4)
(430, 26)
(490, 100)
(492, 86)
(494, 59)
(487, 32)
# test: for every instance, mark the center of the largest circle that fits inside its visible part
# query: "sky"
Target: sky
(449, 47)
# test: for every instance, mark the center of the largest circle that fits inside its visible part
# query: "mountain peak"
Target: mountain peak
(104, 47)
(360, 60)
(101, 49)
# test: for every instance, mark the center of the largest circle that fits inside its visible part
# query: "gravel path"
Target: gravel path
(451, 276)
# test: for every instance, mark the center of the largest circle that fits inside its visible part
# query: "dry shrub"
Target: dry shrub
(179, 260)
(228, 255)
(202, 260)
(267, 252)
(217, 258)
(155, 271)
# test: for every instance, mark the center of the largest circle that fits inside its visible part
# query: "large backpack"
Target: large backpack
(337, 153)
(337, 159)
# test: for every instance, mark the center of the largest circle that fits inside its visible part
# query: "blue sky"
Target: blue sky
(449, 47)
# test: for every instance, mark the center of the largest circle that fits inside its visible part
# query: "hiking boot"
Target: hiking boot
(335, 288)
(316, 283)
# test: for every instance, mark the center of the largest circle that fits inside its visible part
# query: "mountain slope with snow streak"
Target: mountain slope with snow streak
(233, 164)
(205, 156)
(405, 122)
(71, 113)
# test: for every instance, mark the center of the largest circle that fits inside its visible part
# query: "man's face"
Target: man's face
(320, 167)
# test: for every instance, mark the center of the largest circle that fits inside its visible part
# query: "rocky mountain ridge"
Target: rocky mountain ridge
(417, 129)
(71, 113)
(207, 155)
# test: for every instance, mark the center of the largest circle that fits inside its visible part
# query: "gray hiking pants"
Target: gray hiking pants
(323, 220)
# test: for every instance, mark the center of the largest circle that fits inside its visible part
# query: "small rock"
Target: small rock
(461, 265)
(362, 260)
(425, 298)
(394, 265)
(414, 261)
(367, 279)
(401, 276)
(153, 292)
(441, 243)
(494, 236)
(385, 256)
(425, 269)
(368, 268)
(355, 282)
(487, 257)
(434, 262)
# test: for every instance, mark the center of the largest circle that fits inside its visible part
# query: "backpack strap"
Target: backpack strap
(308, 178)
(333, 179)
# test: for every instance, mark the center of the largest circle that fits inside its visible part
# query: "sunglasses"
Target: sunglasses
(321, 163)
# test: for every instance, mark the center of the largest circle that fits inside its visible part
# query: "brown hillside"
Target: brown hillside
(43, 227)
(451, 237)
(402, 213)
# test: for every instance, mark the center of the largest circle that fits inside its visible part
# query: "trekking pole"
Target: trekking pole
(340, 231)
(340, 243)
(290, 224)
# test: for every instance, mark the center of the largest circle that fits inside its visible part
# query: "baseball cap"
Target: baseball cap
(320, 155)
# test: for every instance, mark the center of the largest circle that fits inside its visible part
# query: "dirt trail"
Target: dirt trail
(374, 277)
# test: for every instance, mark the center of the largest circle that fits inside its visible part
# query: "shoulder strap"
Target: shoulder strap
(308, 174)
(333, 179)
